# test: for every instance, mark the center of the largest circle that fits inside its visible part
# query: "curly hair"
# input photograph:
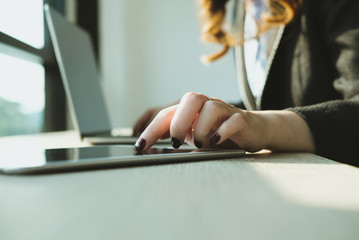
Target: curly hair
(213, 13)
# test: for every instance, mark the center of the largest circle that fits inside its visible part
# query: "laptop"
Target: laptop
(75, 56)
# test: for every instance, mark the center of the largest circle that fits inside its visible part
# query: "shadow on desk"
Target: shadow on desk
(269, 196)
(290, 157)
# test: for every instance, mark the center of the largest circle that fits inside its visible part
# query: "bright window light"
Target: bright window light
(23, 20)
(22, 96)
(22, 91)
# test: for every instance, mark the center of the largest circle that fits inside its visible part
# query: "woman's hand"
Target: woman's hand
(205, 122)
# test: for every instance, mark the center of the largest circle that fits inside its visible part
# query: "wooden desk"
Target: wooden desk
(262, 196)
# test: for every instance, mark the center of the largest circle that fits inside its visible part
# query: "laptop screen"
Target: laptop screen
(76, 60)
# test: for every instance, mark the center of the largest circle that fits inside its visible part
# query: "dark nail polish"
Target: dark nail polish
(175, 142)
(215, 139)
(140, 145)
(197, 144)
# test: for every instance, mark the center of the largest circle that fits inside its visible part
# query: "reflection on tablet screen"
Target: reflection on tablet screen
(41, 160)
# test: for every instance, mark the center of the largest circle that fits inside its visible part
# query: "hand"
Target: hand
(203, 122)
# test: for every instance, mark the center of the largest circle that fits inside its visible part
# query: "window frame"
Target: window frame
(55, 112)
(55, 102)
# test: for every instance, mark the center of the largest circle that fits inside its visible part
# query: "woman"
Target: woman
(310, 100)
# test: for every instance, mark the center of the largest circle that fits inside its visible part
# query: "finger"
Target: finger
(157, 129)
(166, 135)
(188, 109)
(212, 114)
(148, 121)
(235, 124)
(142, 122)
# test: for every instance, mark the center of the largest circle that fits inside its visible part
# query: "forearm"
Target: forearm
(286, 131)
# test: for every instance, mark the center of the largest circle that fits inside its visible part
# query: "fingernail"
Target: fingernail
(175, 142)
(197, 144)
(140, 145)
(214, 140)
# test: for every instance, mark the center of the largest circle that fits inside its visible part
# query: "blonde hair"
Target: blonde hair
(213, 13)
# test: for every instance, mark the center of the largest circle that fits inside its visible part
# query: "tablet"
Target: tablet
(31, 161)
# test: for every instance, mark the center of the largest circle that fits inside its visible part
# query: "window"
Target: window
(23, 20)
(31, 88)
(22, 96)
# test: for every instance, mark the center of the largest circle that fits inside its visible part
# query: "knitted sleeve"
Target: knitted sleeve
(335, 124)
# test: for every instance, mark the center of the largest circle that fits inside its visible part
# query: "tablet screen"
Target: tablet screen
(44, 160)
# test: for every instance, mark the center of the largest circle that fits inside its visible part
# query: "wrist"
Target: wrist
(286, 131)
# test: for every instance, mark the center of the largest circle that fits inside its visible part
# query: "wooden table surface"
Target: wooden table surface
(260, 196)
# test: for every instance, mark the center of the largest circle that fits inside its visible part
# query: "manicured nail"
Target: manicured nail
(215, 139)
(197, 144)
(140, 145)
(175, 142)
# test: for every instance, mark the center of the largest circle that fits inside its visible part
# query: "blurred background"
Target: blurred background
(147, 51)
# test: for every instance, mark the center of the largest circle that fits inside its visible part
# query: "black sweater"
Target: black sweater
(315, 72)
